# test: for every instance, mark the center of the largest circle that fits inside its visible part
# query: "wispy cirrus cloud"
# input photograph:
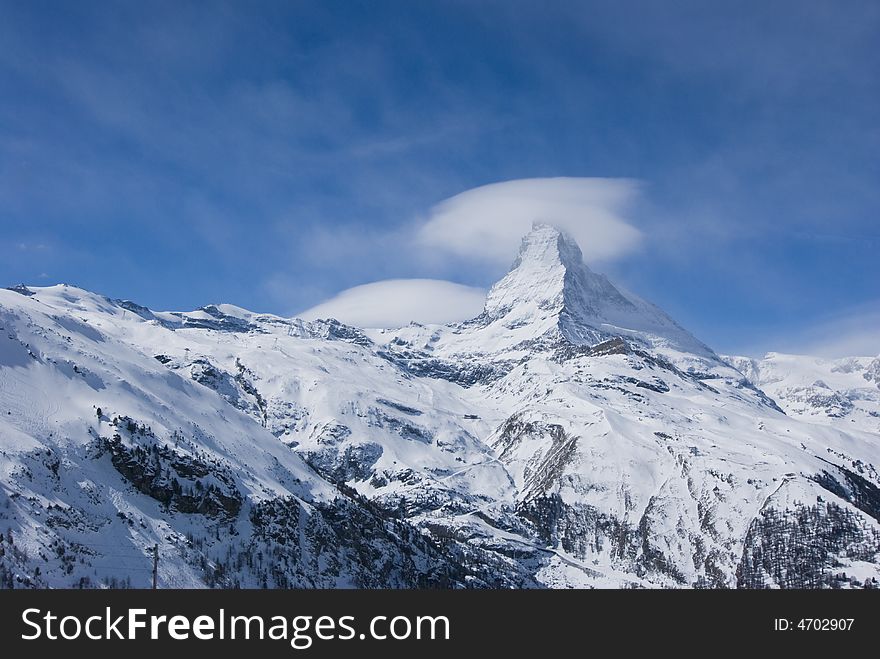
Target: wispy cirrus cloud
(854, 332)
(272, 158)
(851, 332)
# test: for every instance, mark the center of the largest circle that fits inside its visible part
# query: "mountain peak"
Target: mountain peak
(550, 245)
(549, 286)
(547, 277)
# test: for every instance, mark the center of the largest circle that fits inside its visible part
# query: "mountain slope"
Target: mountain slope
(570, 435)
(107, 450)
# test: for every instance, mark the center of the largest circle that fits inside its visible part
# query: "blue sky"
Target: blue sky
(271, 155)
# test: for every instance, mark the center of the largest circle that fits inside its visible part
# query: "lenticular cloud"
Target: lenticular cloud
(397, 302)
(487, 223)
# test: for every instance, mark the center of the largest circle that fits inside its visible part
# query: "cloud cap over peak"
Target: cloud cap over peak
(488, 222)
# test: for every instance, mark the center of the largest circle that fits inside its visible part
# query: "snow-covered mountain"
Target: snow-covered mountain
(571, 435)
(840, 392)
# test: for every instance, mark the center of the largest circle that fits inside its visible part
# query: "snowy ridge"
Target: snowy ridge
(570, 435)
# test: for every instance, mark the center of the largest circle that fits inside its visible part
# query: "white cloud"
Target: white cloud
(487, 223)
(396, 302)
(855, 333)
(484, 225)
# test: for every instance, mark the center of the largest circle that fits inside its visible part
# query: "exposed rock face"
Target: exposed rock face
(181, 482)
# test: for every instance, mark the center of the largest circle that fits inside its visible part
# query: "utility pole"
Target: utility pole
(155, 566)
